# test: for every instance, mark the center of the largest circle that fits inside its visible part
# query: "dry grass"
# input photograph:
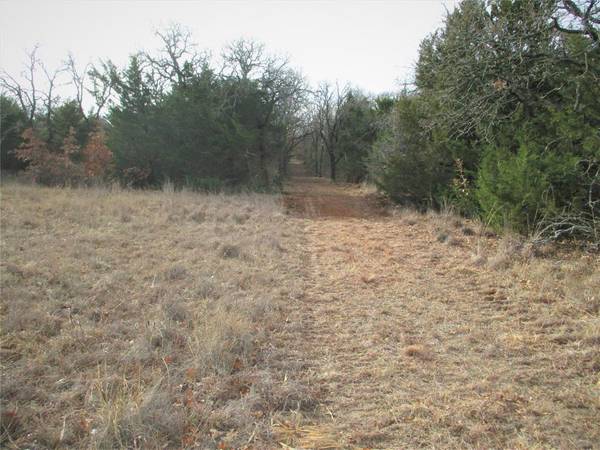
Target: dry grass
(139, 319)
(148, 319)
(426, 330)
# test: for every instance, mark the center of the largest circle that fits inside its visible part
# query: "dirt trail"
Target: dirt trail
(313, 197)
(403, 340)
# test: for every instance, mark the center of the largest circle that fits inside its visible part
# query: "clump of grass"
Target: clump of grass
(207, 288)
(511, 249)
(229, 251)
(177, 272)
(199, 216)
(468, 231)
(9, 425)
(443, 236)
(176, 310)
(418, 351)
(446, 237)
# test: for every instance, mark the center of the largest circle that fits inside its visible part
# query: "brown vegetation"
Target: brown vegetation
(139, 319)
(427, 330)
(60, 167)
(145, 319)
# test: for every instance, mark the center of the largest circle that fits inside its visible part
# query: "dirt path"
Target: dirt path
(406, 343)
(318, 198)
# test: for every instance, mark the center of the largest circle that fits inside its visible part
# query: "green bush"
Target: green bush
(516, 102)
(416, 177)
(409, 162)
(518, 190)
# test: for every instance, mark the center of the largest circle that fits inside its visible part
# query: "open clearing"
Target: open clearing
(150, 319)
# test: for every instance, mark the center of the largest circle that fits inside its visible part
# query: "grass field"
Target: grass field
(138, 319)
(151, 319)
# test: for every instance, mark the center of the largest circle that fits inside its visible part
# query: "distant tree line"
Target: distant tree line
(167, 116)
(343, 124)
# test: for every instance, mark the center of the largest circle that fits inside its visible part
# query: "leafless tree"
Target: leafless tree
(281, 89)
(50, 99)
(242, 57)
(92, 81)
(100, 85)
(37, 89)
(294, 119)
(77, 80)
(26, 93)
(179, 57)
(329, 101)
(316, 148)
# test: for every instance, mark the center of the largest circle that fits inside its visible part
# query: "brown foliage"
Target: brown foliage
(46, 166)
(97, 157)
(58, 168)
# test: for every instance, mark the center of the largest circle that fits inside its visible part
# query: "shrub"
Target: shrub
(70, 164)
(517, 190)
(410, 163)
(52, 168)
(97, 157)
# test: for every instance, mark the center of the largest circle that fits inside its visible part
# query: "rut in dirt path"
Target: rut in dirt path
(404, 341)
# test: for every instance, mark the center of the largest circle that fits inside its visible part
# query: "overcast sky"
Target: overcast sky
(371, 44)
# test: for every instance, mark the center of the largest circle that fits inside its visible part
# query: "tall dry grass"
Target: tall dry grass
(509, 338)
(138, 319)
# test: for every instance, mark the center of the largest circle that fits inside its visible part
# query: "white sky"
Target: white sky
(371, 44)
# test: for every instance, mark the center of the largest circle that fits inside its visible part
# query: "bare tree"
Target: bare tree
(280, 87)
(77, 80)
(97, 83)
(50, 99)
(242, 57)
(329, 101)
(316, 148)
(26, 93)
(294, 119)
(101, 85)
(34, 92)
(179, 58)
(36, 89)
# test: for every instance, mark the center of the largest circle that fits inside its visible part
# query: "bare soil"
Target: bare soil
(411, 337)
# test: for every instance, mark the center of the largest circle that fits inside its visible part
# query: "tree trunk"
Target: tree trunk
(332, 164)
(320, 163)
(263, 173)
(283, 163)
